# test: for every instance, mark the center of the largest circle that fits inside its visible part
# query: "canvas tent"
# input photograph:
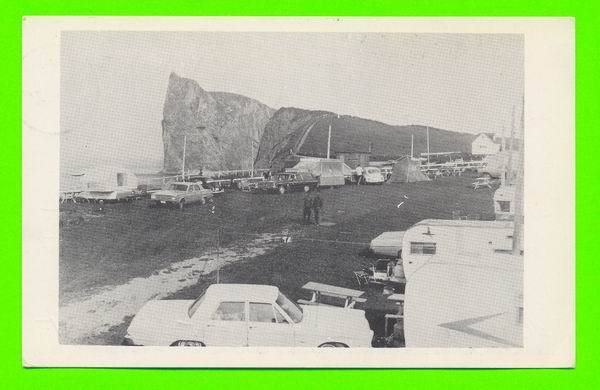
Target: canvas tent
(407, 170)
(330, 172)
(108, 183)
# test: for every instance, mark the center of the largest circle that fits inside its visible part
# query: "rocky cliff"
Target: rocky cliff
(219, 127)
(293, 130)
(226, 131)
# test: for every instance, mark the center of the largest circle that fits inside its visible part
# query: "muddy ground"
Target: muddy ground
(115, 259)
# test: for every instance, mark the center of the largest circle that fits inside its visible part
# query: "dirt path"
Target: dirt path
(90, 316)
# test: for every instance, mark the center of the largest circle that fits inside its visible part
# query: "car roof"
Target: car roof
(184, 182)
(243, 292)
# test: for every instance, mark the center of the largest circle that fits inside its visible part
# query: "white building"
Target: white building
(485, 144)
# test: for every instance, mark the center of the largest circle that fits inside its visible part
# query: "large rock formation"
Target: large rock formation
(293, 130)
(220, 127)
(286, 133)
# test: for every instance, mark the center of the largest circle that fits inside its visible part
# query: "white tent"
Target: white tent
(330, 172)
(407, 170)
(497, 164)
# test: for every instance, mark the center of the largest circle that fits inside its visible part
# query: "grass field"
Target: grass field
(133, 240)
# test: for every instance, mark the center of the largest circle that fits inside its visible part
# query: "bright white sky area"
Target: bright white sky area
(113, 84)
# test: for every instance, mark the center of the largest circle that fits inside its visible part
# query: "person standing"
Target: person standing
(359, 174)
(308, 202)
(317, 203)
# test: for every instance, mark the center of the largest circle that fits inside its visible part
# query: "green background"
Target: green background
(585, 375)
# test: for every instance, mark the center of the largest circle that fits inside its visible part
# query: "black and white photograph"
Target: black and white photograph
(292, 189)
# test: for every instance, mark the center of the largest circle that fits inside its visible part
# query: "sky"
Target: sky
(113, 84)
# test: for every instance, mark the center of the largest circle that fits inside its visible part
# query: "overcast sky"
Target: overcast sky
(113, 84)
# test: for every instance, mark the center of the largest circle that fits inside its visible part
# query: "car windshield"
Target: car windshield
(290, 307)
(372, 170)
(178, 187)
(195, 305)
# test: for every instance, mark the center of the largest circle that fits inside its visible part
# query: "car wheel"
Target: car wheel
(187, 343)
(181, 204)
(281, 190)
(333, 345)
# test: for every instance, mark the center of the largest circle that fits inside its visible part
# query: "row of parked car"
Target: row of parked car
(180, 194)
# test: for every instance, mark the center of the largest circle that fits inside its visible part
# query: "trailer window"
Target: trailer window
(422, 248)
(504, 206)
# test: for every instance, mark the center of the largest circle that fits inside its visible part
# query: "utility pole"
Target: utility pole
(252, 155)
(509, 170)
(427, 146)
(329, 141)
(219, 238)
(412, 145)
(519, 190)
(183, 159)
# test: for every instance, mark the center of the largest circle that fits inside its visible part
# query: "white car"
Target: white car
(248, 315)
(387, 244)
(373, 175)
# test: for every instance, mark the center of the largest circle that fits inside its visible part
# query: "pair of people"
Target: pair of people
(312, 205)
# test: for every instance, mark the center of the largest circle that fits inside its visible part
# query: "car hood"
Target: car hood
(160, 322)
(334, 321)
(169, 192)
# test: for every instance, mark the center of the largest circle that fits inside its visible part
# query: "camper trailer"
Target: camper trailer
(457, 302)
(436, 240)
(108, 183)
(464, 285)
(504, 203)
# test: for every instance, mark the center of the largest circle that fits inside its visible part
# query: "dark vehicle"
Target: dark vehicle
(284, 182)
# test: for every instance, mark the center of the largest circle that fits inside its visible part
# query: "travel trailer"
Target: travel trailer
(437, 240)
(108, 183)
(464, 285)
(461, 303)
(504, 203)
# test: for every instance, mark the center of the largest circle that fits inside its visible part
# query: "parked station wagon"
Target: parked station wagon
(245, 315)
(288, 181)
(181, 194)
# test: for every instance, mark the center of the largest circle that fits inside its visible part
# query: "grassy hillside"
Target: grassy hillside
(305, 132)
(356, 134)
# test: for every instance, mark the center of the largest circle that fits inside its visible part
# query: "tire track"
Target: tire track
(90, 316)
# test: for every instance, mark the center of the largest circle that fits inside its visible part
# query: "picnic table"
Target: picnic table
(350, 296)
